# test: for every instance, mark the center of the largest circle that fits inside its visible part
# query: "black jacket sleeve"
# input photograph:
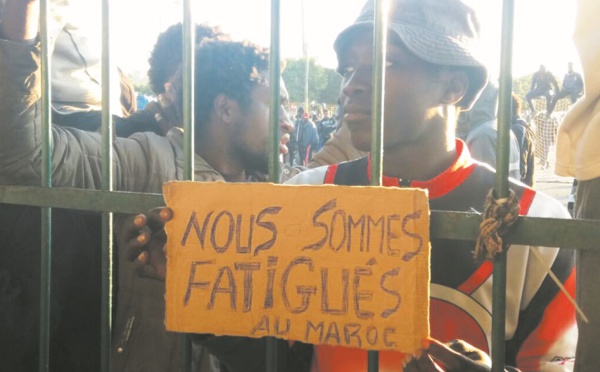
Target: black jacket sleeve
(245, 354)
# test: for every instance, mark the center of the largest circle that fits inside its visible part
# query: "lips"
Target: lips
(355, 113)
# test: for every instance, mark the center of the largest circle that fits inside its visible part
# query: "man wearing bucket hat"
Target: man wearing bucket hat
(433, 71)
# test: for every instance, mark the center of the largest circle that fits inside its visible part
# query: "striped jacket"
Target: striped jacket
(541, 331)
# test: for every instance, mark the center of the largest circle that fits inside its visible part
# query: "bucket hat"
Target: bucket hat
(441, 32)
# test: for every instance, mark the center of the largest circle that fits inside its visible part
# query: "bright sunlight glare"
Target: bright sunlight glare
(542, 29)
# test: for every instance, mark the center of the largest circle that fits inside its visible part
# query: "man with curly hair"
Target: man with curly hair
(165, 59)
(231, 122)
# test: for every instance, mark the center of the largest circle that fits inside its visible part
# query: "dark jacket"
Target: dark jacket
(525, 136)
(244, 354)
(143, 162)
(75, 289)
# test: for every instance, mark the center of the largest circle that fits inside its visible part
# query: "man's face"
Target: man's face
(251, 132)
(412, 93)
(570, 67)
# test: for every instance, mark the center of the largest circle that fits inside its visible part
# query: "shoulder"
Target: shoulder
(315, 176)
(543, 205)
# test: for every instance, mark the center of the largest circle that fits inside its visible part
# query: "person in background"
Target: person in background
(325, 128)
(165, 60)
(525, 137)
(295, 143)
(572, 87)
(309, 139)
(541, 83)
(339, 148)
(482, 131)
(578, 155)
(432, 73)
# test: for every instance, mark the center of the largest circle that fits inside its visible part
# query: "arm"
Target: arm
(545, 335)
(554, 84)
(76, 155)
(533, 82)
(19, 21)
(482, 143)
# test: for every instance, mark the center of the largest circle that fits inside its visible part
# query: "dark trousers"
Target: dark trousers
(560, 95)
(538, 93)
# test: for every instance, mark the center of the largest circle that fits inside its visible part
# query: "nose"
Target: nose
(359, 82)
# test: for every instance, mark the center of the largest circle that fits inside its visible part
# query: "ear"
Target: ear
(457, 84)
(225, 109)
(170, 91)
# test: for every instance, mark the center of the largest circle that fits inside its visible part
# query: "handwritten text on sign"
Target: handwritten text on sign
(320, 264)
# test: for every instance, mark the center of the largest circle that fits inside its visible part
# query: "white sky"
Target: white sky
(542, 34)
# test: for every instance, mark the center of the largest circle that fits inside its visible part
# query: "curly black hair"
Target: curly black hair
(230, 68)
(167, 55)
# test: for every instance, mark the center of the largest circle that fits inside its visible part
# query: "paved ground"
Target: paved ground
(553, 185)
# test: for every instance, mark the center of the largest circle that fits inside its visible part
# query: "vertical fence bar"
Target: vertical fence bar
(188, 54)
(274, 84)
(188, 90)
(501, 189)
(46, 233)
(107, 185)
(379, 55)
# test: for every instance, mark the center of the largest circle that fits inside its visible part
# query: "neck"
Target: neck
(215, 148)
(426, 157)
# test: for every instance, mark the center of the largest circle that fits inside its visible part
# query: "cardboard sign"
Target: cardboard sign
(330, 265)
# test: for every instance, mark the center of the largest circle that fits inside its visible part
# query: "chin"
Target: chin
(257, 163)
(361, 143)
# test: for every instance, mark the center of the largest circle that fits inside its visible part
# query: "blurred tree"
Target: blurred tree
(331, 92)
(323, 83)
(140, 82)
(520, 86)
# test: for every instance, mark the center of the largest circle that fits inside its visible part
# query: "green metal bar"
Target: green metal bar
(46, 228)
(188, 53)
(504, 113)
(373, 361)
(274, 171)
(501, 188)
(274, 83)
(188, 90)
(499, 312)
(379, 55)
(80, 199)
(107, 185)
(547, 232)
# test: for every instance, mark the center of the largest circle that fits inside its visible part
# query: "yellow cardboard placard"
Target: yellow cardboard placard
(330, 265)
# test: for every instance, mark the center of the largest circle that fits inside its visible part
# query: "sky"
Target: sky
(542, 28)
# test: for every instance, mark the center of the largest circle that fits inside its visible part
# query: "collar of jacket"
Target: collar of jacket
(203, 172)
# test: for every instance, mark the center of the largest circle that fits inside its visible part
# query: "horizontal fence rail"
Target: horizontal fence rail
(549, 232)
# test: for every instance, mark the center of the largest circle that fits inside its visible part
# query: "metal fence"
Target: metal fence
(449, 225)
